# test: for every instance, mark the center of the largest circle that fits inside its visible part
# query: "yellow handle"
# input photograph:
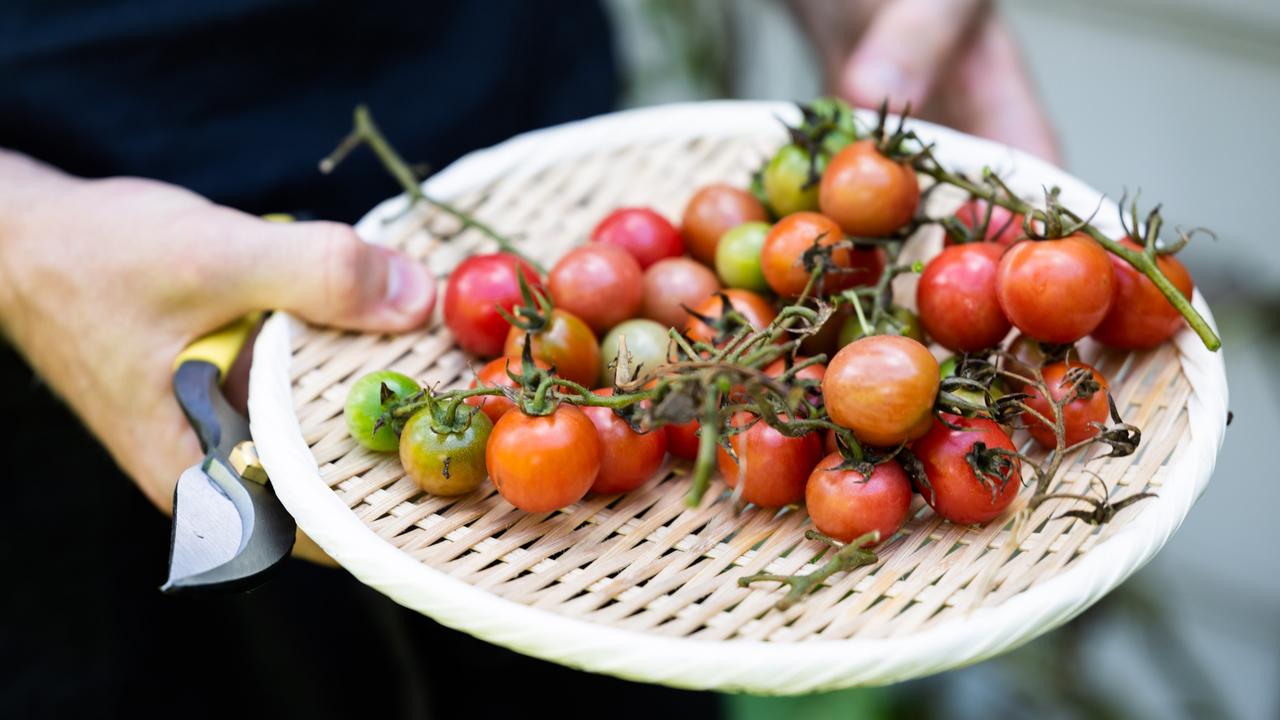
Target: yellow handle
(221, 347)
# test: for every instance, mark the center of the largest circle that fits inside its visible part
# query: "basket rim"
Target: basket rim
(736, 665)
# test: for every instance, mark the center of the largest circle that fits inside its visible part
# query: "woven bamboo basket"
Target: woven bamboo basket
(641, 586)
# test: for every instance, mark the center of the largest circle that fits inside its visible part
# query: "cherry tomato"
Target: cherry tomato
(541, 463)
(494, 374)
(364, 407)
(758, 312)
(784, 249)
(673, 283)
(1003, 227)
(599, 283)
(682, 440)
(445, 463)
(901, 321)
(868, 194)
(477, 288)
(647, 342)
(1078, 416)
(786, 181)
(845, 504)
(957, 298)
(955, 492)
(1140, 316)
(777, 466)
(566, 344)
(628, 458)
(713, 211)
(1056, 290)
(645, 234)
(738, 257)
(882, 388)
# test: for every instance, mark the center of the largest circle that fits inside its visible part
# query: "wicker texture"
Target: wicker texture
(644, 563)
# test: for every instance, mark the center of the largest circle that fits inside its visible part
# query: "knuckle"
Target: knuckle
(344, 259)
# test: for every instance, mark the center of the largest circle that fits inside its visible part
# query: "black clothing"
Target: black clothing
(238, 100)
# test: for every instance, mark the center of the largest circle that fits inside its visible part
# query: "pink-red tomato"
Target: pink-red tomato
(494, 374)
(757, 311)
(673, 283)
(713, 211)
(1057, 291)
(868, 194)
(477, 288)
(882, 387)
(645, 234)
(628, 458)
(772, 467)
(1003, 226)
(600, 283)
(845, 504)
(565, 343)
(546, 462)
(957, 298)
(781, 258)
(1140, 316)
(955, 492)
(1078, 416)
(682, 440)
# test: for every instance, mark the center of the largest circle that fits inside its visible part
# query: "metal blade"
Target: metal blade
(206, 527)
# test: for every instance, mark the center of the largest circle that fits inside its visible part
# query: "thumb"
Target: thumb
(324, 272)
(904, 50)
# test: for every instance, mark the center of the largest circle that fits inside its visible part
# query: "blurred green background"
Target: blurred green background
(1179, 98)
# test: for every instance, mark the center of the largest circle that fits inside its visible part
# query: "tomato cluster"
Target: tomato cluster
(551, 417)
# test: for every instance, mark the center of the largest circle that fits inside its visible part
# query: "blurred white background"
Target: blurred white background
(1180, 98)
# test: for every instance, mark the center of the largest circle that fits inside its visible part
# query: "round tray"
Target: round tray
(639, 585)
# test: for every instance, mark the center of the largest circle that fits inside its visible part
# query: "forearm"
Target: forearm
(27, 188)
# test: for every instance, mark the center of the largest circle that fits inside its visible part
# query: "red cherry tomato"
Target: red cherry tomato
(868, 194)
(882, 388)
(1140, 316)
(955, 492)
(1078, 415)
(543, 463)
(477, 288)
(566, 343)
(494, 374)
(673, 283)
(599, 283)
(776, 466)
(758, 312)
(1003, 227)
(957, 298)
(682, 440)
(845, 504)
(781, 258)
(628, 458)
(713, 211)
(1056, 290)
(645, 234)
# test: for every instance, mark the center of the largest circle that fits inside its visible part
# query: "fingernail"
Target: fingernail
(876, 80)
(410, 287)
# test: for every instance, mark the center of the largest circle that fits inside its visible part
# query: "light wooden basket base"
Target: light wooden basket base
(640, 585)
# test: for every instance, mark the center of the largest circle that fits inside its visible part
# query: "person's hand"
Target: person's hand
(104, 282)
(952, 60)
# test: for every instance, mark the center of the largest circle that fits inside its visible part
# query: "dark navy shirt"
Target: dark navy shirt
(238, 100)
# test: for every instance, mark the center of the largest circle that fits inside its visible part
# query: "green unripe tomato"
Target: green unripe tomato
(647, 341)
(445, 463)
(947, 368)
(738, 257)
(364, 406)
(786, 181)
(901, 322)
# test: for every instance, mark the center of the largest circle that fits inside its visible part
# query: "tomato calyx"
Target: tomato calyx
(899, 144)
(534, 314)
(1103, 510)
(994, 467)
